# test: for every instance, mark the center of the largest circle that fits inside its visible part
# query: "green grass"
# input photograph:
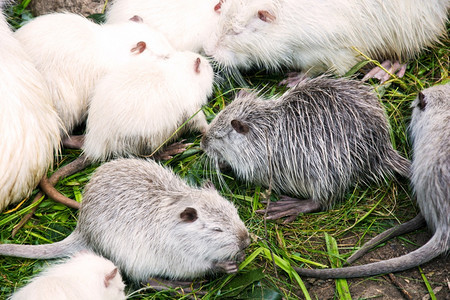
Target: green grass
(276, 247)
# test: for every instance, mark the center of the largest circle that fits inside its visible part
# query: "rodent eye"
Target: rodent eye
(218, 229)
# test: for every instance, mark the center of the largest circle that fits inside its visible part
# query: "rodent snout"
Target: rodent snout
(240, 257)
(244, 240)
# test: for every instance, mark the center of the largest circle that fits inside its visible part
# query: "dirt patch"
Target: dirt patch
(437, 273)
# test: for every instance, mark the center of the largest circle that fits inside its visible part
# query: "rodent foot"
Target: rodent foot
(73, 142)
(171, 150)
(227, 266)
(289, 207)
(394, 68)
(159, 284)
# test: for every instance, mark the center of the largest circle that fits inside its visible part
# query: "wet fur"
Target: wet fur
(430, 179)
(140, 216)
(323, 136)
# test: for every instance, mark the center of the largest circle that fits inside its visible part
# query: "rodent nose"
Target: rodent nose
(244, 240)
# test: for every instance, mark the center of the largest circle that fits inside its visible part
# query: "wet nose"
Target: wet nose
(244, 240)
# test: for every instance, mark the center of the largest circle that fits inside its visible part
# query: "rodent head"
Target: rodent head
(427, 103)
(198, 72)
(241, 136)
(209, 231)
(239, 38)
(98, 271)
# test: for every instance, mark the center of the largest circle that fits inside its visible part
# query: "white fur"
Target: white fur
(144, 102)
(79, 278)
(73, 53)
(186, 24)
(317, 36)
(29, 125)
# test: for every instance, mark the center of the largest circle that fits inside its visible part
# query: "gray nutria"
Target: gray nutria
(315, 141)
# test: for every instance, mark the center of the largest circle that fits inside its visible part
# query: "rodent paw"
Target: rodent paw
(227, 266)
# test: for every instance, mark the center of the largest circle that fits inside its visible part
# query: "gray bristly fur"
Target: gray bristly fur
(325, 135)
(149, 222)
(430, 179)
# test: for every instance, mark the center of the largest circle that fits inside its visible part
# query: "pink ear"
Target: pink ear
(110, 276)
(266, 16)
(136, 19)
(140, 47)
(197, 65)
(218, 6)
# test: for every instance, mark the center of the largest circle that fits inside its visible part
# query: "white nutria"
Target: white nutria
(186, 24)
(29, 125)
(317, 36)
(314, 141)
(137, 107)
(85, 276)
(73, 53)
(430, 179)
(149, 222)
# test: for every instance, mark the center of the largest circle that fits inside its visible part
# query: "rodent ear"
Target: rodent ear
(110, 276)
(422, 102)
(218, 6)
(189, 215)
(140, 47)
(208, 185)
(266, 16)
(243, 93)
(240, 127)
(136, 19)
(197, 65)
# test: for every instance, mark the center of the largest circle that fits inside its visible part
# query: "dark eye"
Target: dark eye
(218, 229)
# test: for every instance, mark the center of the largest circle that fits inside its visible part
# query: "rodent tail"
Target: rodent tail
(66, 247)
(438, 244)
(400, 165)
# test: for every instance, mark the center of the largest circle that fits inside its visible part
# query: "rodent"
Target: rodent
(149, 222)
(73, 53)
(84, 276)
(318, 36)
(141, 105)
(430, 177)
(186, 24)
(29, 125)
(315, 141)
(137, 107)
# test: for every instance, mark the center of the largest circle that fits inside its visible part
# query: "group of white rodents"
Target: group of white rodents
(142, 76)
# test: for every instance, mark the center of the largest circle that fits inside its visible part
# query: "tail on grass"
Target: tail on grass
(66, 247)
(437, 245)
